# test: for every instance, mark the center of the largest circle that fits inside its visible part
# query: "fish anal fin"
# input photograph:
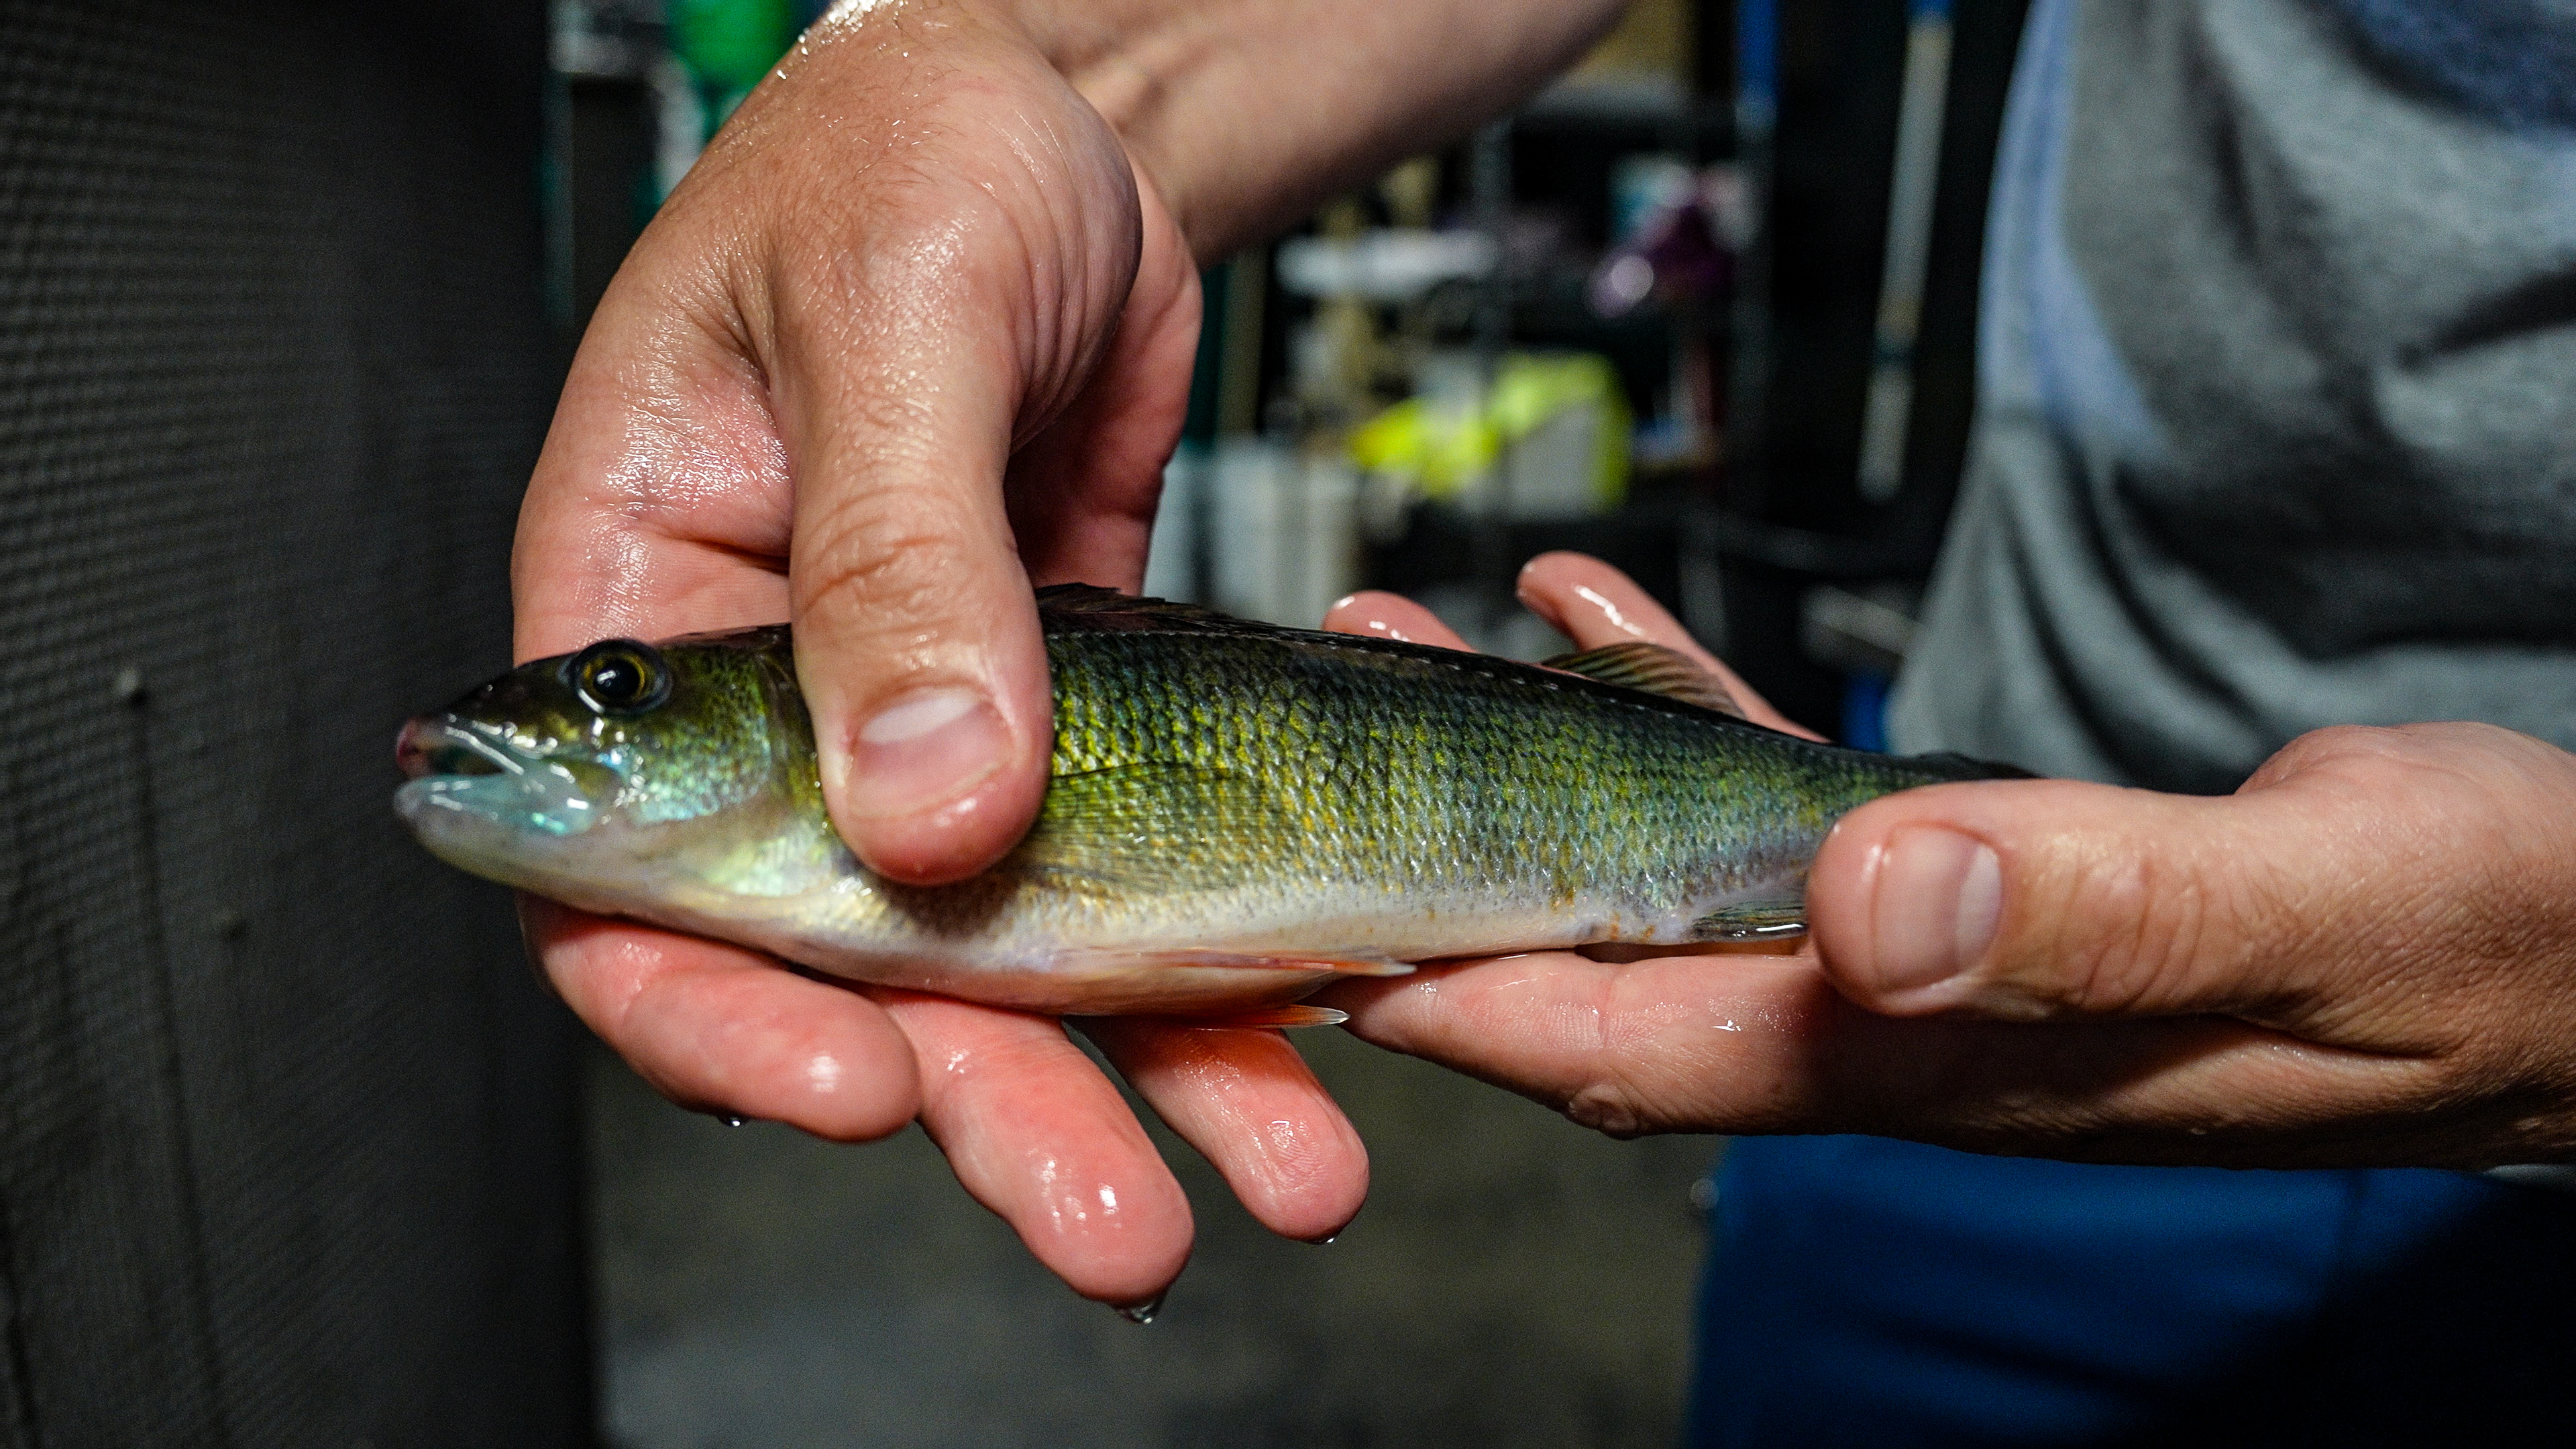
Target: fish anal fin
(1759, 920)
(1267, 1016)
(1210, 988)
(1651, 669)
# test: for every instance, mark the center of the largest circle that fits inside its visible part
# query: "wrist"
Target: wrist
(1246, 114)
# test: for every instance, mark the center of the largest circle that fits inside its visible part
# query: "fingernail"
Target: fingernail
(1934, 908)
(924, 750)
(1142, 1313)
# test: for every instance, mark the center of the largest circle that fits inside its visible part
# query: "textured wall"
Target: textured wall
(285, 1125)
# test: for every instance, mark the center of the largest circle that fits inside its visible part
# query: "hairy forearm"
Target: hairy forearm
(1249, 112)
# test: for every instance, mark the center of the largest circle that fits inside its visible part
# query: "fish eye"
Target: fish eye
(620, 676)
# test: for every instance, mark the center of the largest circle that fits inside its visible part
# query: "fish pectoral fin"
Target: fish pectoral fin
(1151, 827)
(1651, 669)
(1266, 1016)
(1762, 920)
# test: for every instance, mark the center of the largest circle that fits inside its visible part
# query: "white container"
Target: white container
(1172, 557)
(1284, 543)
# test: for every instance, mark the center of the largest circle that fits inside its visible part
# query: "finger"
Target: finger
(1248, 1102)
(662, 505)
(2025, 898)
(910, 350)
(2350, 893)
(1668, 1043)
(1038, 1135)
(722, 1029)
(2043, 898)
(917, 642)
(1594, 604)
(1763, 1044)
(1390, 616)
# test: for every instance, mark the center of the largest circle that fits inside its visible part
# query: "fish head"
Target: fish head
(614, 772)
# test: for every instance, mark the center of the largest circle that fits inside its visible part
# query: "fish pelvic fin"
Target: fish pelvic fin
(1759, 920)
(1651, 669)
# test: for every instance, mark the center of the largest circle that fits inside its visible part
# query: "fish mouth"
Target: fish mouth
(462, 781)
(429, 747)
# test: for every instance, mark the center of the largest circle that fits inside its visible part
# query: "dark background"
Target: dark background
(287, 1132)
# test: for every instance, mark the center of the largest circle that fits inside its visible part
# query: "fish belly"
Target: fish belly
(1223, 952)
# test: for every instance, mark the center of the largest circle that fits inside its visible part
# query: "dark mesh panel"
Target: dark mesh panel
(286, 1130)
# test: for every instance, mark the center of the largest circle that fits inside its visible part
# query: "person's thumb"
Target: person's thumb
(2042, 898)
(909, 352)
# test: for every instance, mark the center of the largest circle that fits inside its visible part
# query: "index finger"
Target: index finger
(1739, 1042)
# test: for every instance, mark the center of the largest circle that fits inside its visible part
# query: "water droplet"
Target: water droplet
(1328, 1239)
(229, 922)
(1142, 1313)
(1703, 1194)
(128, 687)
(730, 1120)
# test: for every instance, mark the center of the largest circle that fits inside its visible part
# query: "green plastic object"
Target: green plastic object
(728, 45)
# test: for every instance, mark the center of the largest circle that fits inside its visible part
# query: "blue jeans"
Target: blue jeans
(1862, 1291)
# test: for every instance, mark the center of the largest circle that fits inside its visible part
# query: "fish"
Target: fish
(1236, 813)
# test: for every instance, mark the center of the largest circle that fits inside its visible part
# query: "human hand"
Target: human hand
(913, 335)
(2367, 955)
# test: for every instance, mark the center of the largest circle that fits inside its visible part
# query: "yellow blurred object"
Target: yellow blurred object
(1539, 407)
(1651, 43)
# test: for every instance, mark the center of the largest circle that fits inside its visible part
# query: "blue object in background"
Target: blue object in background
(1865, 711)
(1865, 1291)
(1757, 64)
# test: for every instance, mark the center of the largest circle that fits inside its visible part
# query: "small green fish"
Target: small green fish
(1236, 813)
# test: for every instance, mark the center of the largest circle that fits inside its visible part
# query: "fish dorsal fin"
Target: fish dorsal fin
(1653, 669)
(1157, 826)
(1091, 607)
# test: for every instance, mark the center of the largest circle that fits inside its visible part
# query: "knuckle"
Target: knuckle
(2137, 934)
(879, 559)
(1609, 1108)
(2339, 750)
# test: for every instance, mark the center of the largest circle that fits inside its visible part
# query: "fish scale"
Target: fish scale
(1236, 813)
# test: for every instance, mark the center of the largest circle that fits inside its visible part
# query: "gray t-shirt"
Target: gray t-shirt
(2278, 389)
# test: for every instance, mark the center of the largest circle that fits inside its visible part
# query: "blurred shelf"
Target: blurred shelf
(1631, 118)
